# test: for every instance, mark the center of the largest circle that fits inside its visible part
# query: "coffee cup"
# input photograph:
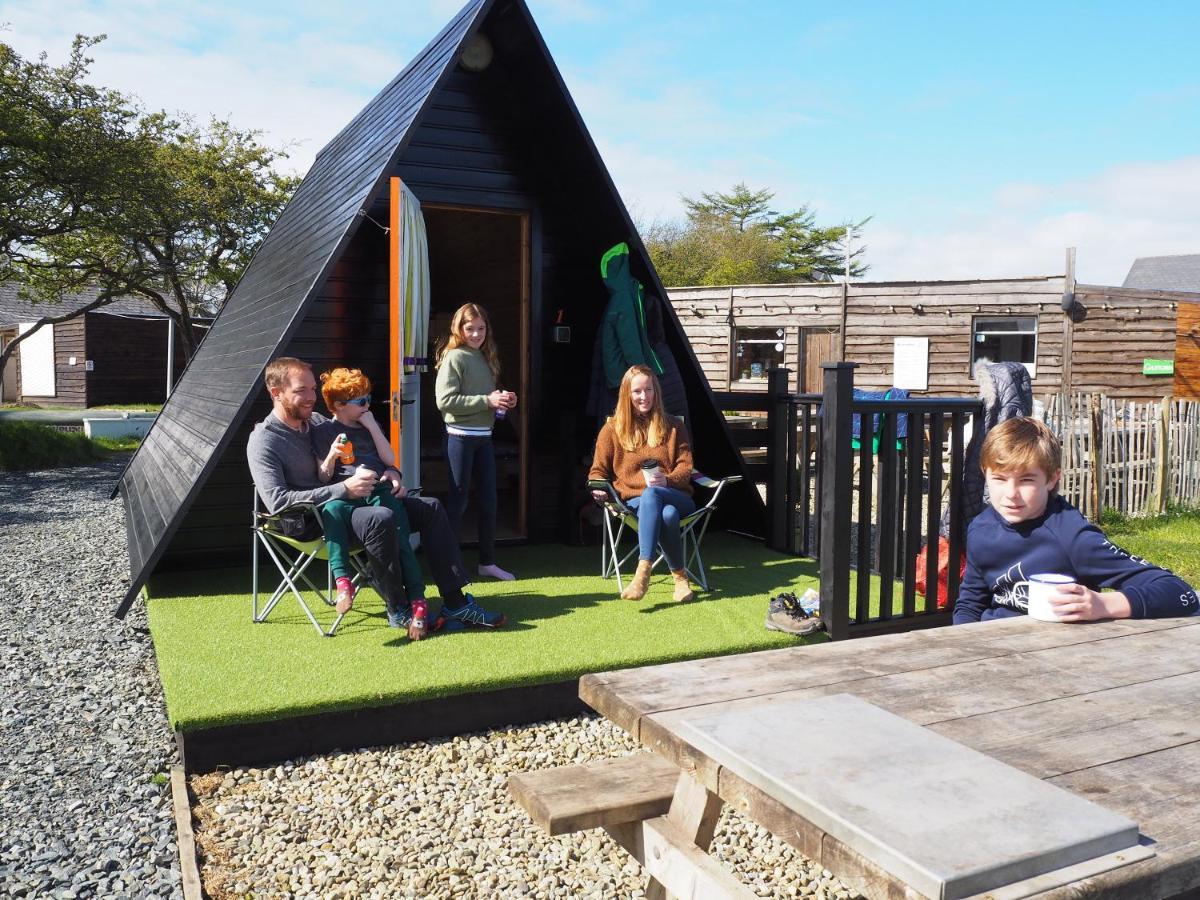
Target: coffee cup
(1038, 591)
(650, 469)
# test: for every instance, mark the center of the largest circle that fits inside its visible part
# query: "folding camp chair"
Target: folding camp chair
(619, 517)
(293, 556)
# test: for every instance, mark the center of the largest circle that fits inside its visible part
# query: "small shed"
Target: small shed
(116, 354)
(927, 335)
(518, 209)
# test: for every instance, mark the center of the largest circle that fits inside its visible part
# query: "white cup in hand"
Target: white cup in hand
(1038, 591)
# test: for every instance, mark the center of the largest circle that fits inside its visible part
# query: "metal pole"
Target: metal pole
(170, 355)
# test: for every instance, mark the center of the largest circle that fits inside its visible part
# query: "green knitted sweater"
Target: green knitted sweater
(463, 383)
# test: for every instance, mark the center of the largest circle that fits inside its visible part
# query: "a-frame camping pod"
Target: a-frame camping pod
(519, 209)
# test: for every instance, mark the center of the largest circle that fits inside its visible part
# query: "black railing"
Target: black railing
(869, 509)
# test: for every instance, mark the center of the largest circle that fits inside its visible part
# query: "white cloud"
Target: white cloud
(1126, 211)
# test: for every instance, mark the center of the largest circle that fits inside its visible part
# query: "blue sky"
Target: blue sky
(982, 138)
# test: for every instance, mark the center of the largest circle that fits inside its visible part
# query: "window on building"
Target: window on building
(1006, 339)
(754, 351)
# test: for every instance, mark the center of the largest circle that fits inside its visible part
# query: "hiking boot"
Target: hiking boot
(784, 613)
(683, 590)
(471, 613)
(638, 585)
(345, 595)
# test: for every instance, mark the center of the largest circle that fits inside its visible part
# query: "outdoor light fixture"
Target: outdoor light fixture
(477, 55)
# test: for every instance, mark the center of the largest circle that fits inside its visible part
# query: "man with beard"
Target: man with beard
(284, 469)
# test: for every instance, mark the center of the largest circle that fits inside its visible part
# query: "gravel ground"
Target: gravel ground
(435, 820)
(83, 732)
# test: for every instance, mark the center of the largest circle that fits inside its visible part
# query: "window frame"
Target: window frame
(1030, 367)
(735, 376)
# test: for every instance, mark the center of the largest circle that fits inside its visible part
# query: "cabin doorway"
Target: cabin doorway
(817, 345)
(482, 256)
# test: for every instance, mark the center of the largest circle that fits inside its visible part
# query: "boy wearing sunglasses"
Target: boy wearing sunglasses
(350, 440)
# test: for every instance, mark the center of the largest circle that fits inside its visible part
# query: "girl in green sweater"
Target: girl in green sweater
(468, 367)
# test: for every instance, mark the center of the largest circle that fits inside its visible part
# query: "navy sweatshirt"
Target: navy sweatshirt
(1060, 540)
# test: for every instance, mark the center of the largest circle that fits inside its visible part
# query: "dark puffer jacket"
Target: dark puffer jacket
(1007, 392)
(671, 381)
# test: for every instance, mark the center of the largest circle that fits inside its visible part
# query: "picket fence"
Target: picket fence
(1135, 458)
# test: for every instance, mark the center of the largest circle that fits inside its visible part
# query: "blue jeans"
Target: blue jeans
(659, 510)
(473, 457)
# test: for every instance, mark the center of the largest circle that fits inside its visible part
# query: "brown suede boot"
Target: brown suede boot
(636, 589)
(683, 590)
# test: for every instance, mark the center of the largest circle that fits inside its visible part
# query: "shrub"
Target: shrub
(28, 445)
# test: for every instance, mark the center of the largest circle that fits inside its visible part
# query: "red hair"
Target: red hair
(343, 384)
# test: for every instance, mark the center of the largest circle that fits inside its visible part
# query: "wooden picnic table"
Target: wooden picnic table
(1110, 711)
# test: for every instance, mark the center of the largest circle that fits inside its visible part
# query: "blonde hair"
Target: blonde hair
(1021, 443)
(278, 370)
(633, 431)
(343, 384)
(457, 338)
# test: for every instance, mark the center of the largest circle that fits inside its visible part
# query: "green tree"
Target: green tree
(168, 211)
(735, 237)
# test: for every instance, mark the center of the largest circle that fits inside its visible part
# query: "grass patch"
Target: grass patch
(220, 668)
(1171, 541)
(30, 445)
(125, 444)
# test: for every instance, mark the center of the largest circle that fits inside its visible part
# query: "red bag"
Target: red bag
(943, 571)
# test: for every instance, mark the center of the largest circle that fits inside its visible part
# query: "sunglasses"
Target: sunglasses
(364, 400)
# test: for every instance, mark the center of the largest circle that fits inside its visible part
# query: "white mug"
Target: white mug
(1039, 589)
(648, 474)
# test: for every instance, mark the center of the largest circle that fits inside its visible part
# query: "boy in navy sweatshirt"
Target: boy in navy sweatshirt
(1027, 529)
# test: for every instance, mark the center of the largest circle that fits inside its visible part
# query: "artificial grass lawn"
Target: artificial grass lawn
(219, 668)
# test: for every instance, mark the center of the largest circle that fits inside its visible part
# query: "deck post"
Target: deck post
(779, 462)
(837, 490)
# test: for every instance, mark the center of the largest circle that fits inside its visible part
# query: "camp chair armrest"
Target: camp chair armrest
(702, 480)
(599, 484)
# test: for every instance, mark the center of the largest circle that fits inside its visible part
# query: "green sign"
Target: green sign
(1158, 367)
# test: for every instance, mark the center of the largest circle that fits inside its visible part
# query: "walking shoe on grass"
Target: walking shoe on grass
(784, 613)
(345, 595)
(471, 613)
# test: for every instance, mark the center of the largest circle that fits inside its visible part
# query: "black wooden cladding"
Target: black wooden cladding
(508, 138)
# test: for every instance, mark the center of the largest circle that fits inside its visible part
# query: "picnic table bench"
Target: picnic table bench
(1106, 712)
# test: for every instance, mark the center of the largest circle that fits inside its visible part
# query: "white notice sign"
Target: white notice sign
(910, 363)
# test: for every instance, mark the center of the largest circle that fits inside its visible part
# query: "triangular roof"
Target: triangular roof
(281, 283)
(1165, 273)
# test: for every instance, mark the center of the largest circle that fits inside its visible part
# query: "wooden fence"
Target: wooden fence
(1135, 458)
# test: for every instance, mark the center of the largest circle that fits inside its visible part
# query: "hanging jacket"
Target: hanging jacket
(623, 330)
(674, 395)
(1007, 392)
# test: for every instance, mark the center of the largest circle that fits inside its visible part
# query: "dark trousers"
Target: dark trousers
(427, 516)
(473, 458)
(375, 527)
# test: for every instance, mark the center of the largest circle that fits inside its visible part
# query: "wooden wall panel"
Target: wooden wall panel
(1122, 328)
(1187, 351)
(70, 386)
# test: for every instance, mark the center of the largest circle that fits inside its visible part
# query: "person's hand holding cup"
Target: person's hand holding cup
(1050, 596)
(653, 474)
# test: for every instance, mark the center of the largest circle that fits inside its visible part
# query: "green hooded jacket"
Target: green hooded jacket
(624, 340)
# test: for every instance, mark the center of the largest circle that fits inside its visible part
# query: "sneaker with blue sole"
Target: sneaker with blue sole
(471, 613)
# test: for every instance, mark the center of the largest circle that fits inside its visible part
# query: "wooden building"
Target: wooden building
(518, 209)
(116, 354)
(935, 331)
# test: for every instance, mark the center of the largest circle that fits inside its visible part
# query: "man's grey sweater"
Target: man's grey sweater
(284, 467)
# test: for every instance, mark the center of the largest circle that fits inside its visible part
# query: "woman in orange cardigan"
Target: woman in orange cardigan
(647, 456)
